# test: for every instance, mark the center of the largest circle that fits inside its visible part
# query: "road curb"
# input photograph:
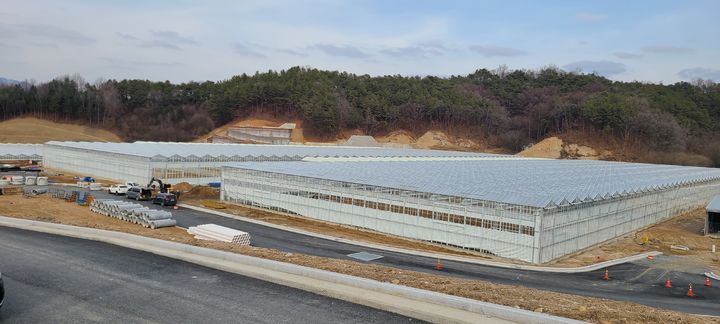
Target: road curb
(418, 303)
(443, 256)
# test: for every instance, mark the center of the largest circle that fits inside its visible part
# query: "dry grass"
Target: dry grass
(34, 130)
(583, 308)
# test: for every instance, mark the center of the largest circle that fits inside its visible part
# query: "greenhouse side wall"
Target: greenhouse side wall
(403, 214)
(106, 165)
(193, 170)
(572, 228)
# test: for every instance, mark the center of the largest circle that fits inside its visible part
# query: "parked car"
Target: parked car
(165, 199)
(118, 189)
(139, 193)
(2, 291)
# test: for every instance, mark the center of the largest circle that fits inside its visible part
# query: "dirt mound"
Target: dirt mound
(34, 130)
(555, 148)
(182, 187)
(550, 148)
(397, 137)
(202, 192)
(433, 139)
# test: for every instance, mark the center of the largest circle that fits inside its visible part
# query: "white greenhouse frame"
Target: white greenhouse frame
(20, 152)
(200, 163)
(531, 233)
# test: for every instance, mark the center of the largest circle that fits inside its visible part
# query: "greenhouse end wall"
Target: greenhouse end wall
(519, 232)
(569, 229)
(105, 165)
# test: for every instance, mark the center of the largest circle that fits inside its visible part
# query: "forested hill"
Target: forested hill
(502, 107)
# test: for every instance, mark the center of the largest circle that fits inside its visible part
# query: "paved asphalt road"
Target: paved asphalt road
(641, 282)
(56, 279)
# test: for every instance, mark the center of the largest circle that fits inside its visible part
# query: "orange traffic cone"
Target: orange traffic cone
(606, 276)
(668, 283)
(438, 266)
(650, 257)
(690, 292)
(707, 282)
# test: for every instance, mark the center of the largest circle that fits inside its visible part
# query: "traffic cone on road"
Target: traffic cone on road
(707, 282)
(606, 276)
(438, 266)
(690, 292)
(668, 283)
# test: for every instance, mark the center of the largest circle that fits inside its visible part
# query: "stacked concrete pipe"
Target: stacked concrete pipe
(133, 212)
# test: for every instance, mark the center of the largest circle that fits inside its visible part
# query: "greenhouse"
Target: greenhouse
(9, 152)
(199, 163)
(534, 210)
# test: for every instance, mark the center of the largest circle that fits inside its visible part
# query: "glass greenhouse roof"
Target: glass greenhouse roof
(20, 151)
(169, 149)
(528, 182)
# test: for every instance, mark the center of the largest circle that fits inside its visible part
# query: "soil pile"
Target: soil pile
(398, 137)
(182, 187)
(555, 148)
(549, 148)
(202, 192)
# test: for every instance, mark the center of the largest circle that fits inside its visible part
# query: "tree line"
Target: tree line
(506, 108)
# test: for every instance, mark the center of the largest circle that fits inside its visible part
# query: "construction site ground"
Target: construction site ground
(44, 208)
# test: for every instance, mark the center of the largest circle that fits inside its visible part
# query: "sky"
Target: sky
(649, 41)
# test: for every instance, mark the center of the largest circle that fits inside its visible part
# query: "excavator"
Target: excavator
(162, 188)
(164, 196)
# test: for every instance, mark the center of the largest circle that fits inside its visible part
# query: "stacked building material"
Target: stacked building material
(219, 233)
(133, 212)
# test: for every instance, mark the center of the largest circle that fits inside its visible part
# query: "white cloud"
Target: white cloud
(700, 73)
(492, 50)
(590, 17)
(247, 50)
(340, 50)
(667, 49)
(627, 55)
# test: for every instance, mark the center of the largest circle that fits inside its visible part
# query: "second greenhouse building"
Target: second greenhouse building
(532, 210)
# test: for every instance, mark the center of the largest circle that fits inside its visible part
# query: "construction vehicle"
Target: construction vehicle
(164, 195)
(162, 188)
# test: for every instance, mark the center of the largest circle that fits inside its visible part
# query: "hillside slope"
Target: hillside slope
(34, 130)
(432, 139)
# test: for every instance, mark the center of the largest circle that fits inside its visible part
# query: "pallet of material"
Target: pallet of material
(216, 232)
(11, 190)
